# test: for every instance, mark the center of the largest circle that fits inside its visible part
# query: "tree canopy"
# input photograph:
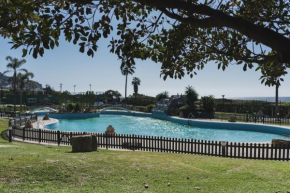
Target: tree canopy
(136, 82)
(182, 35)
(162, 95)
(111, 95)
(191, 97)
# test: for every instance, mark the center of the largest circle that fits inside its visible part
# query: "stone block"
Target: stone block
(82, 143)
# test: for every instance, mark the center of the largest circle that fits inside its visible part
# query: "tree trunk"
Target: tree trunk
(14, 92)
(276, 101)
(135, 90)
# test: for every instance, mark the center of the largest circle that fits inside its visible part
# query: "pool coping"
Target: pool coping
(213, 123)
(51, 121)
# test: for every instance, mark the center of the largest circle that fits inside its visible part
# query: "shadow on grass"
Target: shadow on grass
(3, 135)
(81, 152)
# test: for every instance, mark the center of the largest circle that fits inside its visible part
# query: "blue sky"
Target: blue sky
(66, 65)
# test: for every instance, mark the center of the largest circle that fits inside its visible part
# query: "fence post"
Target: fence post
(247, 117)
(224, 146)
(133, 142)
(71, 135)
(221, 117)
(263, 119)
(58, 137)
(39, 135)
(106, 136)
(10, 134)
(23, 133)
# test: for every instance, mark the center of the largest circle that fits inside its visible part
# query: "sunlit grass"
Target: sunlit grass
(37, 168)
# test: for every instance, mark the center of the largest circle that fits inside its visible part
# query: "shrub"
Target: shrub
(77, 107)
(191, 96)
(208, 103)
(70, 107)
(149, 108)
(162, 95)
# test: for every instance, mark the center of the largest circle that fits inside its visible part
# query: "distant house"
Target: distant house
(177, 100)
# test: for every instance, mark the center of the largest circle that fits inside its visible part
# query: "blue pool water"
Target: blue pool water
(154, 127)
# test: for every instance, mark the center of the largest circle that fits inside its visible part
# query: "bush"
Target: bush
(191, 96)
(208, 103)
(149, 108)
(77, 107)
(70, 107)
(162, 95)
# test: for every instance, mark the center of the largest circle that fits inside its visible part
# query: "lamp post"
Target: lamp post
(90, 87)
(75, 89)
(60, 87)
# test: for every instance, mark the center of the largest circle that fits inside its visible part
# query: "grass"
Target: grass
(38, 168)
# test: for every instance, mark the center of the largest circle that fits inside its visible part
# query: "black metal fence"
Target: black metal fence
(10, 108)
(161, 144)
(21, 118)
(254, 118)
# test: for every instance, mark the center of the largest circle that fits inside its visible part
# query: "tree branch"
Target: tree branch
(199, 23)
(258, 33)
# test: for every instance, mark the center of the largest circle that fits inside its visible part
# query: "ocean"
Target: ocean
(268, 99)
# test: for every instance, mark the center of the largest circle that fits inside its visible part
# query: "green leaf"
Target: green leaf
(90, 53)
(51, 44)
(24, 52)
(35, 52)
(82, 49)
(45, 45)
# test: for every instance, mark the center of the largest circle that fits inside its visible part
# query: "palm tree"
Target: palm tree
(126, 71)
(24, 79)
(136, 82)
(14, 67)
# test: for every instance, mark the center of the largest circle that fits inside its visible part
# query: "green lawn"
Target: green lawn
(38, 168)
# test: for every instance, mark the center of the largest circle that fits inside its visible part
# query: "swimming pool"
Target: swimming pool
(154, 127)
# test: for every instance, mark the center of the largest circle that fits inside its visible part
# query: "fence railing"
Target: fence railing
(10, 108)
(161, 144)
(254, 118)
